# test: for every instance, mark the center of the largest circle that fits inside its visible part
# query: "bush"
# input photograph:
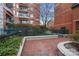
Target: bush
(75, 36)
(63, 30)
(7, 51)
(31, 31)
(10, 47)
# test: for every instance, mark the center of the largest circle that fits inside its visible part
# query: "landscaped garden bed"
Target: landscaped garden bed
(70, 48)
(10, 46)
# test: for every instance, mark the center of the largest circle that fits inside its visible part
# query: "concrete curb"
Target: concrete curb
(21, 47)
(41, 37)
(64, 50)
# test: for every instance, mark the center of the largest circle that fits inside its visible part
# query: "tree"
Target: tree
(46, 13)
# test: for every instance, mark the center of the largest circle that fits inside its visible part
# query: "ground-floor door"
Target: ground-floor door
(77, 25)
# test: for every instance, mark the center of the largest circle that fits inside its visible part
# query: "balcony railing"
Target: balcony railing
(23, 15)
(23, 8)
(25, 22)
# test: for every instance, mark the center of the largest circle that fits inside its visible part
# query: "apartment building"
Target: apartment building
(67, 16)
(26, 14)
(6, 16)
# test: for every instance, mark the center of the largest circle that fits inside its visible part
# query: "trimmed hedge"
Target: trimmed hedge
(31, 31)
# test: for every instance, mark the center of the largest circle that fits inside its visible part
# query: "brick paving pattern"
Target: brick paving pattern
(45, 47)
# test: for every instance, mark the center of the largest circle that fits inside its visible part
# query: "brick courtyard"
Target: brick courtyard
(45, 47)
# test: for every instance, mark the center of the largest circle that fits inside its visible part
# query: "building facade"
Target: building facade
(66, 16)
(26, 13)
(6, 16)
(75, 9)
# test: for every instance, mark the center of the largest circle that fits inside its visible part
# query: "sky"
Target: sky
(50, 8)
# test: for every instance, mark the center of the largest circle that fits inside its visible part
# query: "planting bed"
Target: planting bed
(10, 46)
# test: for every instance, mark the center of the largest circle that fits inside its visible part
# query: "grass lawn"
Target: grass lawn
(10, 47)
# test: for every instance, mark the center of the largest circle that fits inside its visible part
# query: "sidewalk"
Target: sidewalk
(46, 47)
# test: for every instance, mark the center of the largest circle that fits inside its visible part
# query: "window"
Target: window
(23, 8)
(74, 5)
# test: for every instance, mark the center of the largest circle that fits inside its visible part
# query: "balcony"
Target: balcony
(23, 9)
(26, 22)
(22, 15)
(74, 5)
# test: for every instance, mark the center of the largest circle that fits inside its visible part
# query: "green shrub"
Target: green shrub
(63, 30)
(31, 31)
(75, 36)
(10, 47)
(8, 51)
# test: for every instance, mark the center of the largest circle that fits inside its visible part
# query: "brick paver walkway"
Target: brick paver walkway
(45, 47)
